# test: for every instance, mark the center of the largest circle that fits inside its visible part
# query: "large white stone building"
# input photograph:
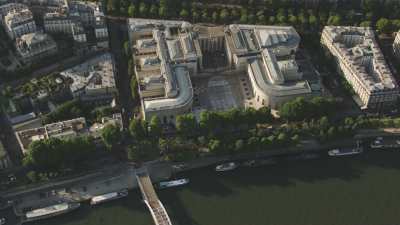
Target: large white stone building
(18, 22)
(93, 80)
(168, 53)
(267, 53)
(363, 65)
(35, 46)
(396, 45)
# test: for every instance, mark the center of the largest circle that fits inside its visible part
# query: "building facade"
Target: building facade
(362, 64)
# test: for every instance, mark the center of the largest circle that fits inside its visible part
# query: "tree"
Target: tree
(295, 138)
(313, 21)
(131, 10)
(263, 115)
(282, 138)
(162, 11)
(204, 15)
(32, 176)
(331, 132)
(215, 16)
(195, 15)
(154, 10)
(366, 23)
(295, 110)
(184, 13)
(224, 15)
(137, 130)
(239, 145)
(134, 88)
(383, 26)
(215, 146)
(55, 154)
(127, 48)
(143, 9)
(243, 16)
(155, 128)
(235, 14)
(281, 16)
(334, 20)
(135, 153)
(251, 18)
(111, 135)
(112, 6)
(186, 124)
(292, 20)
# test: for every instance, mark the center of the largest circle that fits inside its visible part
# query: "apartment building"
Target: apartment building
(19, 22)
(362, 64)
(35, 46)
(93, 80)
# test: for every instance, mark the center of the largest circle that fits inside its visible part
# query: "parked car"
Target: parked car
(2, 221)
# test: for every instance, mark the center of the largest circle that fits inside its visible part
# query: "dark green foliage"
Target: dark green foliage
(137, 129)
(111, 135)
(155, 128)
(56, 154)
(302, 109)
(68, 110)
(186, 125)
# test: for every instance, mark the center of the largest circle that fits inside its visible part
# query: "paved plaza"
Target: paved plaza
(219, 93)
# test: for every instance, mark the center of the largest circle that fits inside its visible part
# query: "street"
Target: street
(117, 31)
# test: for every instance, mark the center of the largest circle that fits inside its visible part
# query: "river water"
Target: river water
(358, 190)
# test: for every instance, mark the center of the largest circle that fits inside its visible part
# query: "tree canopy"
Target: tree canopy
(111, 135)
(55, 154)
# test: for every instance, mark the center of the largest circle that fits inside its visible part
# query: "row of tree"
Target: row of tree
(305, 109)
(305, 18)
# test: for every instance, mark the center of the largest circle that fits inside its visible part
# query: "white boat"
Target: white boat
(108, 197)
(226, 167)
(51, 211)
(345, 152)
(377, 144)
(173, 183)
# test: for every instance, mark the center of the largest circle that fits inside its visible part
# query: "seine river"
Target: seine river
(357, 190)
